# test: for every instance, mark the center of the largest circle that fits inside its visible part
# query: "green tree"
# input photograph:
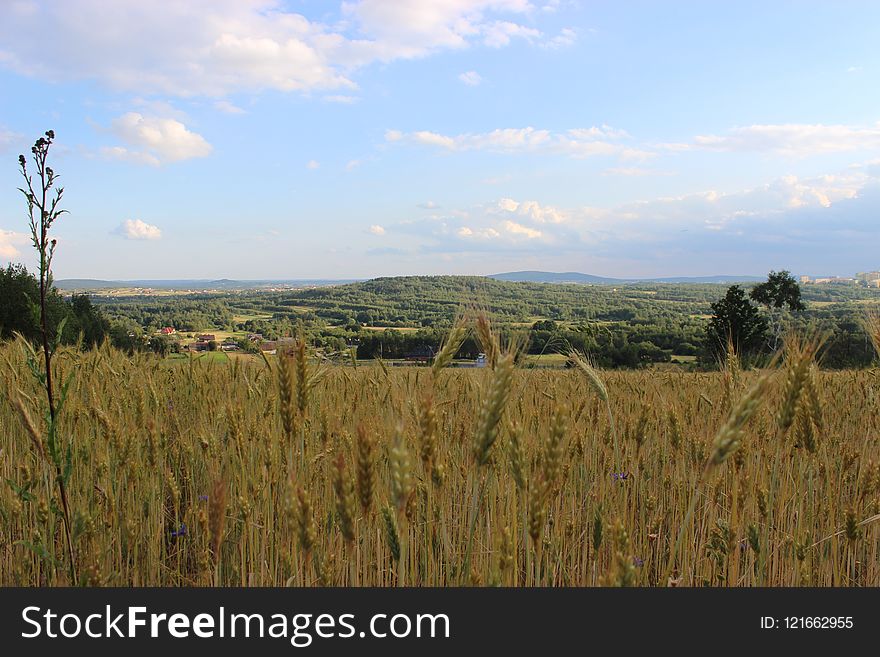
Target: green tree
(779, 290)
(20, 311)
(88, 320)
(19, 292)
(160, 344)
(736, 319)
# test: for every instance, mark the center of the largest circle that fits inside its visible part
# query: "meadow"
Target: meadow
(286, 471)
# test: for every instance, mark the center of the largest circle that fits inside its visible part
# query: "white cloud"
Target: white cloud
(518, 229)
(9, 243)
(160, 139)
(228, 108)
(566, 37)
(500, 140)
(713, 210)
(719, 229)
(376, 229)
(576, 143)
(218, 47)
(471, 78)
(531, 210)
(313, 164)
(508, 205)
(429, 205)
(413, 27)
(499, 33)
(135, 229)
(792, 139)
(351, 165)
(598, 141)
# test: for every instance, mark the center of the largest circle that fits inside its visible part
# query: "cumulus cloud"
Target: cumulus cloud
(376, 229)
(541, 214)
(10, 241)
(804, 224)
(429, 205)
(576, 143)
(471, 78)
(792, 139)
(825, 223)
(502, 225)
(313, 164)
(155, 140)
(135, 229)
(219, 47)
(518, 229)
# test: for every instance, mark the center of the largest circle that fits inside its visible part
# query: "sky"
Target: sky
(261, 139)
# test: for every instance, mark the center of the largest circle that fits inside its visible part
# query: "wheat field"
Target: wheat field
(287, 472)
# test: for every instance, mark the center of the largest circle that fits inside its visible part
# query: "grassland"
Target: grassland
(275, 472)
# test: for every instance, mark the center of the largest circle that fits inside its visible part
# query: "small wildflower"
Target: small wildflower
(637, 562)
(179, 532)
(619, 476)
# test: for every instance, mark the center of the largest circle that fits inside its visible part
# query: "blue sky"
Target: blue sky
(304, 139)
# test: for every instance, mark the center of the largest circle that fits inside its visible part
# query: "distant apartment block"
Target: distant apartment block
(829, 280)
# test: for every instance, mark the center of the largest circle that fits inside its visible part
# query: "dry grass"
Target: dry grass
(266, 473)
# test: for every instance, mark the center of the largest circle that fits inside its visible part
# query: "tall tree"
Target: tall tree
(736, 319)
(778, 291)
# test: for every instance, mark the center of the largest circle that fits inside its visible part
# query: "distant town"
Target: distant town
(865, 279)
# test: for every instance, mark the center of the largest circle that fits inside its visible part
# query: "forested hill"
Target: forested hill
(620, 324)
(429, 300)
(589, 279)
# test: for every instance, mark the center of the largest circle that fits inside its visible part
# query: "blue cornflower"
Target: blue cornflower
(180, 532)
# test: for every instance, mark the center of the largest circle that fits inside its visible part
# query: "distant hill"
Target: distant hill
(576, 278)
(553, 277)
(589, 279)
(72, 284)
